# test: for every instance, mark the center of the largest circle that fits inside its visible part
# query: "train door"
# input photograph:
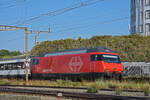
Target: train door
(34, 61)
(93, 64)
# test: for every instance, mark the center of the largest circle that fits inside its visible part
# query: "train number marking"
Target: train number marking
(47, 70)
(75, 64)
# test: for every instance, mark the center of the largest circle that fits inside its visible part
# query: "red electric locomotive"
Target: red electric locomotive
(82, 63)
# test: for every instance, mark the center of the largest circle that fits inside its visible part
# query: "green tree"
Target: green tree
(6, 53)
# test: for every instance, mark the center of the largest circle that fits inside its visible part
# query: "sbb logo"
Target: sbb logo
(75, 64)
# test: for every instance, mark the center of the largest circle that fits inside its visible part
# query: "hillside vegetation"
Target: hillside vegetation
(130, 48)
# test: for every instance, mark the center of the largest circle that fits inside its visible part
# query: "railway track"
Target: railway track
(75, 88)
(61, 92)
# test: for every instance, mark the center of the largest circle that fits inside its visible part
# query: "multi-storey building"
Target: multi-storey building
(140, 17)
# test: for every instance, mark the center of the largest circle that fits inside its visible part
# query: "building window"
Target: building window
(147, 29)
(141, 4)
(133, 3)
(133, 30)
(147, 2)
(141, 29)
(141, 18)
(147, 14)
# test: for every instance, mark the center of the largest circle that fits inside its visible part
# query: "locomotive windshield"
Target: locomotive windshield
(106, 58)
(111, 58)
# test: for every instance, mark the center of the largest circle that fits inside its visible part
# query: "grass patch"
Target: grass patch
(102, 84)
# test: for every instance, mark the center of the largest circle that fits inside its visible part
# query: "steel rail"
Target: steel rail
(61, 87)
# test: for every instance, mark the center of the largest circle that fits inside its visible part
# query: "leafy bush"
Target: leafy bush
(118, 91)
(93, 88)
(146, 91)
(1, 82)
(112, 85)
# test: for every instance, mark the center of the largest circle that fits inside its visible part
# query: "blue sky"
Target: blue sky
(108, 17)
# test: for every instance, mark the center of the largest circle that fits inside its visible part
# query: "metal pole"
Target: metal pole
(26, 49)
(35, 40)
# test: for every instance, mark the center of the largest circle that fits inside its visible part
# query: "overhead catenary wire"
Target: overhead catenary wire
(85, 19)
(81, 26)
(61, 11)
(89, 25)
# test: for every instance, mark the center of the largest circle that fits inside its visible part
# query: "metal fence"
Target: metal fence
(138, 69)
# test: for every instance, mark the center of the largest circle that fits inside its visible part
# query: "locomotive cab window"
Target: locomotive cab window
(35, 61)
(96, 57)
